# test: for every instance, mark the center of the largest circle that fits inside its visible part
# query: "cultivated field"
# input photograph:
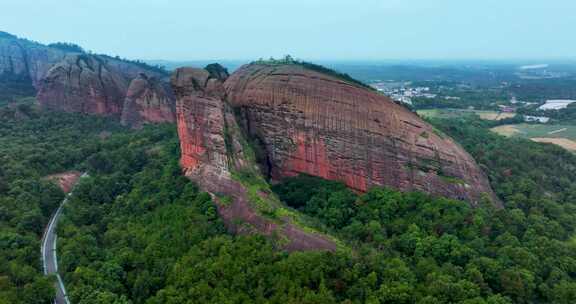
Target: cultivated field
(452, 113)
(506, 130)
(562, 142)
(562, 135)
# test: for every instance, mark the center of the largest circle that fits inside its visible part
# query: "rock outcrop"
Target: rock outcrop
(215, 155)
(148, 100)
(83, 84)
(101, 85)
(319, 124)
(65, 78)
(217, 71)
(26, 60)
(203, 118)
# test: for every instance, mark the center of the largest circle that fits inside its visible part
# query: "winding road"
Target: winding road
(49, 259)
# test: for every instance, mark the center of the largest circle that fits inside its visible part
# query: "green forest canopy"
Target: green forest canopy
(137, 231)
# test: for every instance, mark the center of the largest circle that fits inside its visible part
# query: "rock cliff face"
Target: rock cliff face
(83, 84)
(203, 118)
(26, 60)
(31, 61)
(93, 84)
(318, 124)
(148, 100)
(67, 79)
(216, 156)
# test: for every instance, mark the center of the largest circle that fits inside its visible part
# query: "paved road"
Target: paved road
(49, 258)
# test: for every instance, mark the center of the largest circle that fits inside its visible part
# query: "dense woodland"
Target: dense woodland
(539, 90)
(33, 146)
(454, 95)
(137, 231)
(14, 87)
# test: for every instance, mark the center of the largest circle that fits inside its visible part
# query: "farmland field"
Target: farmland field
(562, 135)
(452, 113)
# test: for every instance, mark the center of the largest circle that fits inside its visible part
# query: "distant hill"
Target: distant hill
(23, 63)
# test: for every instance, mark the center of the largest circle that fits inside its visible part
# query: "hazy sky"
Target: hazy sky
(309, 29)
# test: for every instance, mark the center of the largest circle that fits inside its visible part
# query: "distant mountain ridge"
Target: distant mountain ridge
(24, 58)
(95, 84)
(22, 64)
(66, 78)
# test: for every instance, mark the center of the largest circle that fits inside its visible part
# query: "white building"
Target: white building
(556, 104)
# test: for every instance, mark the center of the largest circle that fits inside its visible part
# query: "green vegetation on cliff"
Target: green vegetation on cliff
(314, 67)
(15, 87)
(67, 47)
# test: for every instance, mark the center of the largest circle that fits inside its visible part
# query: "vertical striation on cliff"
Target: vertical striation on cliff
(83, 84)
(93, 84)
(148, 100)
(203, 118)
(215, 155)
(318, 124)
(24, 59)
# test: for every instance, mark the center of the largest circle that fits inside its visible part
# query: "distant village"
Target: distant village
(403, 93)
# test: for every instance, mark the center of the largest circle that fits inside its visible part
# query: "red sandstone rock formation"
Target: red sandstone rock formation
(318, 124)
(148, 100)
(202, 116)
(83, 84)
(214, 156)
(101, 85)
